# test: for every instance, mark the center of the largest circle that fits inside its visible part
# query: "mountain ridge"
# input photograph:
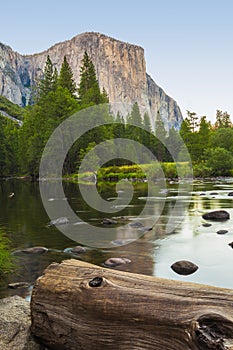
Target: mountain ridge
(120, 69)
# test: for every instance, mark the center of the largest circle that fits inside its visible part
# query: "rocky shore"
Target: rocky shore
(15, 323)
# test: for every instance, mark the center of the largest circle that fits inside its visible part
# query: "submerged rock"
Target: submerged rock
(222, 232)
(217, 215)
(206, 224)
(184, 267)
(59, 221)
(136, 224)
(214, 193)
(107, 221)
(231, 245)
(230, 194)
(112, 262)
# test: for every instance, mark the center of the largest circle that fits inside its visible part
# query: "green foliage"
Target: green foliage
(6, 262)
(220, 161)
(11, 108)
(222, 137)
(49, 81)
(8, 147)
(223, 120)
(66, 79)
(89, 91)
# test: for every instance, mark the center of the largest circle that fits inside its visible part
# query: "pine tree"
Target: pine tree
(66, 79)
(89, 91)
(49, 81)
(223, 120)
(135, 116)
(160, 134)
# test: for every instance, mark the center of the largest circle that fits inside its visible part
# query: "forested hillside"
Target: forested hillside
(57, 97)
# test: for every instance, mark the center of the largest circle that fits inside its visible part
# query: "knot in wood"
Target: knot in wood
(96, 282)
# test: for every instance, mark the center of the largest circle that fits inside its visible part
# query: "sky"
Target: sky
(188, 43)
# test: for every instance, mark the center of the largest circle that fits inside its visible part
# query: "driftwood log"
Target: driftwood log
(79, 306)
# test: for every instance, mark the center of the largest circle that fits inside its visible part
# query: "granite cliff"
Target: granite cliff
(120, 68)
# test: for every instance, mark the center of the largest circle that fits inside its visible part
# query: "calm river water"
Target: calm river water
(25, 222)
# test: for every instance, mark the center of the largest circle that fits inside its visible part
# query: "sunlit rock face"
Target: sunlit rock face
(120, 69)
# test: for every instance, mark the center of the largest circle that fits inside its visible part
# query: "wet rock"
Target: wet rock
(184, 267)
(107, 221)
(231, 245)
(78, 250)
(120, 242)
(59, 221)
(146, 228)
(18, 285)
(112, 262)
(222, 232)
(206, 224)
(121, 218)
(202, 194)
(34, 250)
(230, 194)
(217, 215)
(136, 224)
(214, 193)
(15, 322)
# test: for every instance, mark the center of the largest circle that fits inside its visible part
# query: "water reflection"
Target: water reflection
(25, 221)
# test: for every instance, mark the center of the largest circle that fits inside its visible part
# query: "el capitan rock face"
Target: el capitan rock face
(120, 69)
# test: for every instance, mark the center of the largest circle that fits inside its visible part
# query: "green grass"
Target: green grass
(6, 262)
(138, 173)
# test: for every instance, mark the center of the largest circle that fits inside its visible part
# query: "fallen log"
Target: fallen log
(79, 306)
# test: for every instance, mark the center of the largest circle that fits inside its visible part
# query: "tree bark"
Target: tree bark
(79, 306)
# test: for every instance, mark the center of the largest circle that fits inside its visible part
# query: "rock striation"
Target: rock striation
(120, 68)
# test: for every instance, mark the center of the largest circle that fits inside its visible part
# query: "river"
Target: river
(25, 221)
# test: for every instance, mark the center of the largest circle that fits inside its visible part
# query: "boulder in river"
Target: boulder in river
(231, 245)
(112, 262)
(136, 224)
(230, 194)
(34, 250)
(18, 285)
(222, 232)
(184, 267)
(59, 221)
(206, 224)
(217, 215)
(107, 221)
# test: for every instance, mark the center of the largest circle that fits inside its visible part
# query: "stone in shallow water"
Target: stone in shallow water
(35, 250)
(217, 215)
(59, 221)
(231, 245)
(206, 224)
(136, 224)
(230, 194)
(18, 285)
(78, 250)
(184, 267)
(107, 221)
(222, 232)
(112, 262)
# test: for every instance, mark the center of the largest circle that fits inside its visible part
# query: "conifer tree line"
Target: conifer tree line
(57, 97)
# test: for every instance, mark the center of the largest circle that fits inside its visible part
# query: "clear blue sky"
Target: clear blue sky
(188, 43)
